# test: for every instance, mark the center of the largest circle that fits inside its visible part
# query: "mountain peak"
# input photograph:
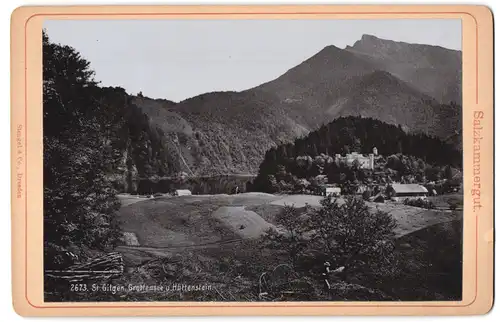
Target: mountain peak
(433, 70)
(329, 49)
(369, 42)
(366, 37)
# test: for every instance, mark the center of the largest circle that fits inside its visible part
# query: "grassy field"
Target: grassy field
(444, 201)
(213, 239)
(199, 219)
(411, 219)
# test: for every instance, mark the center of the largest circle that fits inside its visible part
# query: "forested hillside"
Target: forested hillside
(229, 132)
(409, 154)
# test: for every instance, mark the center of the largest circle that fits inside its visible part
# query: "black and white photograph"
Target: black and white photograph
(251, 160)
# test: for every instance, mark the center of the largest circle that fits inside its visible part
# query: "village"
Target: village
(378, 187)
(377, 183)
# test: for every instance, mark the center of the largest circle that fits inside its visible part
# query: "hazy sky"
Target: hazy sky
(178, 59)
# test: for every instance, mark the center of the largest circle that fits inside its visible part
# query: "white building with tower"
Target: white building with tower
(364, 161)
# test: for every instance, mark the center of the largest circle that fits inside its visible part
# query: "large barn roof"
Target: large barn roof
(408, 188)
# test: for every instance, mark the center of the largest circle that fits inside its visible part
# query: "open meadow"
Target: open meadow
(214, 240)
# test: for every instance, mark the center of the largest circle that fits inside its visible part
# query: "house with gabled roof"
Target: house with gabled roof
(400, 191)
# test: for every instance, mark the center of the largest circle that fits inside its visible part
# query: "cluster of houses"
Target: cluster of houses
(394, 191)
(382, 191)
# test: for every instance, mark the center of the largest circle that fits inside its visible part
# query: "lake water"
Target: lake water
(197, 185)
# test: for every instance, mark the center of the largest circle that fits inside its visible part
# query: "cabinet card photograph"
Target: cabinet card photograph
(312, 160)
